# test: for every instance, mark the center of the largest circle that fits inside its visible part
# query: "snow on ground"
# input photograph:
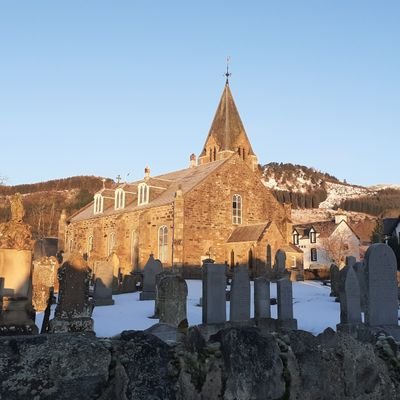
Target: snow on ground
(313, 309)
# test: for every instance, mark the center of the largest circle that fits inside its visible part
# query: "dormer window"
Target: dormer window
(119, 199)
(313, 236)
(295, 238)
(98, 203)
(143, 194)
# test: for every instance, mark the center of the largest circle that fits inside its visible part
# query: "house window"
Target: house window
(143, 197)
(313, 236)
(89, 245)
(98, 203)
(163, 243)
(237, 209)
(119, 199)
(111, 243)
(313, 254)
(295, 238)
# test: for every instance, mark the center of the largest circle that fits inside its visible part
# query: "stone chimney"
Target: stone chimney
(340, 216)
(193, 160)
(147, 173)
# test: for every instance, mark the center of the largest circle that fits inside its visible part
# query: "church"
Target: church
(216, 208)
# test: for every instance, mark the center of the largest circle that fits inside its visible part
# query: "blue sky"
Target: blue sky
(108, 87)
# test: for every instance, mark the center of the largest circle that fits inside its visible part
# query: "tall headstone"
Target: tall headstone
(285, 304)
(16, 311)
(157, 303)
(353, 297)
(268, 261)
(213, 299)
(74, 308)
(172, 295)
(334, 276)
(342, 293)
(279, 269)
(42, 281)
(103, 283)
(113, 259)
(380, 274)
(151, 269)
(359, 269)
(240, 295)
(262, 300)
(350, 261)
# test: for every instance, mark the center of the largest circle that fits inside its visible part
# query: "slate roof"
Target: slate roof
(185, 179)
(291, 248)
(323, 228)
(227, 127)
(248, 233)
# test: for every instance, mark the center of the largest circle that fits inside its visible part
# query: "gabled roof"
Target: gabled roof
(323, 228)
(227, 128)
(185, 180)
(249, 233)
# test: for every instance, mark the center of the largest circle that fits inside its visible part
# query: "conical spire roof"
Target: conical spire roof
(227, 130)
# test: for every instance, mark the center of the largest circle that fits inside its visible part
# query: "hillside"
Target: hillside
(307, 188)
(44, 201)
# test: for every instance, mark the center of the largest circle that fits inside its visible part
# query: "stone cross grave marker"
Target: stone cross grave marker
(240, 295)
(214, 298)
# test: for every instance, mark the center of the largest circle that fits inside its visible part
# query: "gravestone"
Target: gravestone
(74, 309)
(172, 296)
(240, 295)
(268, 262)
(359, 269)
(353, 297)
(157, 303)
(103, 284)
(334, 276)
(380, 274)
(341, 287)
(17, 314)
(279, 269)
(113, 259)
(285, 304)
(262, 305)
(350, 261)
(151, 269)
(43, 281)
(213, 299)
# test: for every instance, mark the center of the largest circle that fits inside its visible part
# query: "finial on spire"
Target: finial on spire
(228, 74)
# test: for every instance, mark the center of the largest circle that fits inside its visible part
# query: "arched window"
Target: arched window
(163, 243)
(98, 203)
(237, 209)
(215, 153)
(134, 250)
(89, 245)
(119, 199)
(111, 243)
(143, 194)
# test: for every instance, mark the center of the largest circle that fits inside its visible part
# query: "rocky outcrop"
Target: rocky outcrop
(235, 363)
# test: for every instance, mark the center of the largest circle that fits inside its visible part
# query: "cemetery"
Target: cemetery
(221, 336)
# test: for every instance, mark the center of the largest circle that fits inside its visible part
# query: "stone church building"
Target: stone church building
(217, 207)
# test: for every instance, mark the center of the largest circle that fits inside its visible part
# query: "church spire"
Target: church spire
(227, 134)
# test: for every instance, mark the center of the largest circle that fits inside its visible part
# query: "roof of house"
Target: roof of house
(248, 233)
(227, 128)
(291, 248)
(185, 180)
(323, 228)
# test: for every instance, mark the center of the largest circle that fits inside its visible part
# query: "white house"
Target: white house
(326, 242)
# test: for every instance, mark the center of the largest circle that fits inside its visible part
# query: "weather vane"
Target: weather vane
(228, 74)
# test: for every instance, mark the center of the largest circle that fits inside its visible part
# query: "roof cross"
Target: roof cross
(118, 178)
(228, 74)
